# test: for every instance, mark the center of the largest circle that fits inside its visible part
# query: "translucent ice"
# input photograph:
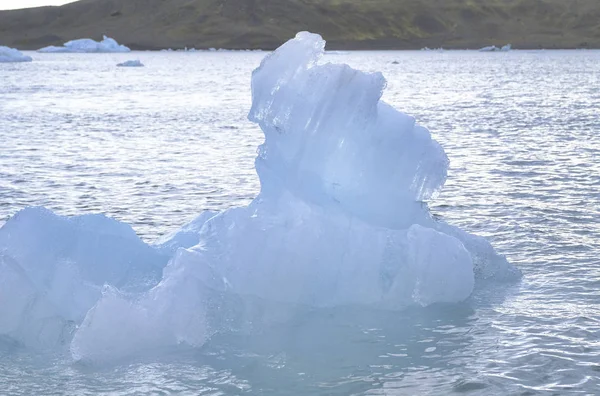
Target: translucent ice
(8, 55)
(88, 45)
(187, 236)
(341, 219)
(52, 269)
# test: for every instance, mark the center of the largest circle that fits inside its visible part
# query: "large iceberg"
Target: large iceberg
(88, 45)
(9, 55)
(341, 219)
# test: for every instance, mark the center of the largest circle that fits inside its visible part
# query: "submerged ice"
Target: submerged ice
(88, 45)
(341, 219)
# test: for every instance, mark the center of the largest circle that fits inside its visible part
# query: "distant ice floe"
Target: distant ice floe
(131, 63)
(9, 55)
(186, 49)
(87, 46)
(341, 220)
(493, 48)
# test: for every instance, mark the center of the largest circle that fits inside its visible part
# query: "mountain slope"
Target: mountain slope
(345, 24)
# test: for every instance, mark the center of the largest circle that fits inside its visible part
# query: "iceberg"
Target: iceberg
(86, 46)
(341, 219)
(493, 48)
(9, 55)
(131, 63)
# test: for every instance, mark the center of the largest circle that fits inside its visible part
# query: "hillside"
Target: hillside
(345, 24)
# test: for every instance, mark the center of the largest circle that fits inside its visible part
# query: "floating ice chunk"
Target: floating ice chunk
(88, 45)
(9, 55)
(54, 267)
(493, 48)
(341, 219)
(131, 63)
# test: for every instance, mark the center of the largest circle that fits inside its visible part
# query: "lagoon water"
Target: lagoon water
(154, 146)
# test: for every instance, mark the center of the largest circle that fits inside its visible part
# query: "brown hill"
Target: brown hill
(345, 24)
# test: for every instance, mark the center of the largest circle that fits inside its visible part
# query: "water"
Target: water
(156, 145)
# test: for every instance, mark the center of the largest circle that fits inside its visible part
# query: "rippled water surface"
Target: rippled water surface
(154, 146)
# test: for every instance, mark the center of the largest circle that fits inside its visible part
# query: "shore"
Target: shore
(345, 24)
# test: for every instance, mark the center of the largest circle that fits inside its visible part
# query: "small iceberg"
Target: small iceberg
(131, 63)
(10, 55)
(340, 221)
(493, 48)
(87, 46)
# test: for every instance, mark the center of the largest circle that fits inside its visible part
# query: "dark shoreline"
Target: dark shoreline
(345, 24)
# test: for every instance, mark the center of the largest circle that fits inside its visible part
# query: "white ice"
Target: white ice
(131, 63)
(341, 219)
(9, 55)
(88, 45)
(493, 48)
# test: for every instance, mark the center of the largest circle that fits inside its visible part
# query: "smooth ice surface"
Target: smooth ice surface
(8, 55)
(87, 45)
(131, 63)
